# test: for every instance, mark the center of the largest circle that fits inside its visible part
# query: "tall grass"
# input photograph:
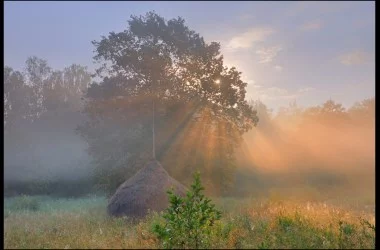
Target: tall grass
(248, 223)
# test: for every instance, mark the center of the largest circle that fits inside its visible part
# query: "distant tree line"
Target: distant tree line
(39, 91)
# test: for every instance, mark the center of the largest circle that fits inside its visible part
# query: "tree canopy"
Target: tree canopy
(166, 60)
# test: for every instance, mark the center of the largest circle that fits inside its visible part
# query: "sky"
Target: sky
(306, 52)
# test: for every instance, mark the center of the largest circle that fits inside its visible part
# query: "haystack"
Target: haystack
(146, 190)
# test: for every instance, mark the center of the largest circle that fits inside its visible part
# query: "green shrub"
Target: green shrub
(188, 220)
(25, 202)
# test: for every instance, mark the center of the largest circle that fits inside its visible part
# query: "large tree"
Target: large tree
(201, 111)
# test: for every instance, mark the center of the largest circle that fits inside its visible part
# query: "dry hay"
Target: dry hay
(146, 190)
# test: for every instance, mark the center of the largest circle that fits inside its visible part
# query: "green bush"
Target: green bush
(188, 220)
(25, 202)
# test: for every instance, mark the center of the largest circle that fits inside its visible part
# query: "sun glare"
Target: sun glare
(217, 81)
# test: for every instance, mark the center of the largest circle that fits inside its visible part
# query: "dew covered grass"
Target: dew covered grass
(44, 222)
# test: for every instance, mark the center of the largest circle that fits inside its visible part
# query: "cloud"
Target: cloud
(317, 7)
(230, 62)
(304, 90)
(248, 38)
(313, 25)
(276, 93)
(278, 68)
(354, 58)
(267, 55)
(253, 84)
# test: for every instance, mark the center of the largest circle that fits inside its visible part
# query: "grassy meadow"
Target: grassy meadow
(44, 222)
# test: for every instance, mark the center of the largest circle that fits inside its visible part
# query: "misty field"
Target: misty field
(44, 222)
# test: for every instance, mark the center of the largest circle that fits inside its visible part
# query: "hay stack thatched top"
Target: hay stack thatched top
(146, 190)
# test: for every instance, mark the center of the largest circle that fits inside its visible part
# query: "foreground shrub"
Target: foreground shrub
(188, 220)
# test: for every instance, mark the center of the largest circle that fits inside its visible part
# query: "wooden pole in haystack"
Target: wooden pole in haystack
(154, 139)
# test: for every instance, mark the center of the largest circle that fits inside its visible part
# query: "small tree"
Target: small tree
(188, 220)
